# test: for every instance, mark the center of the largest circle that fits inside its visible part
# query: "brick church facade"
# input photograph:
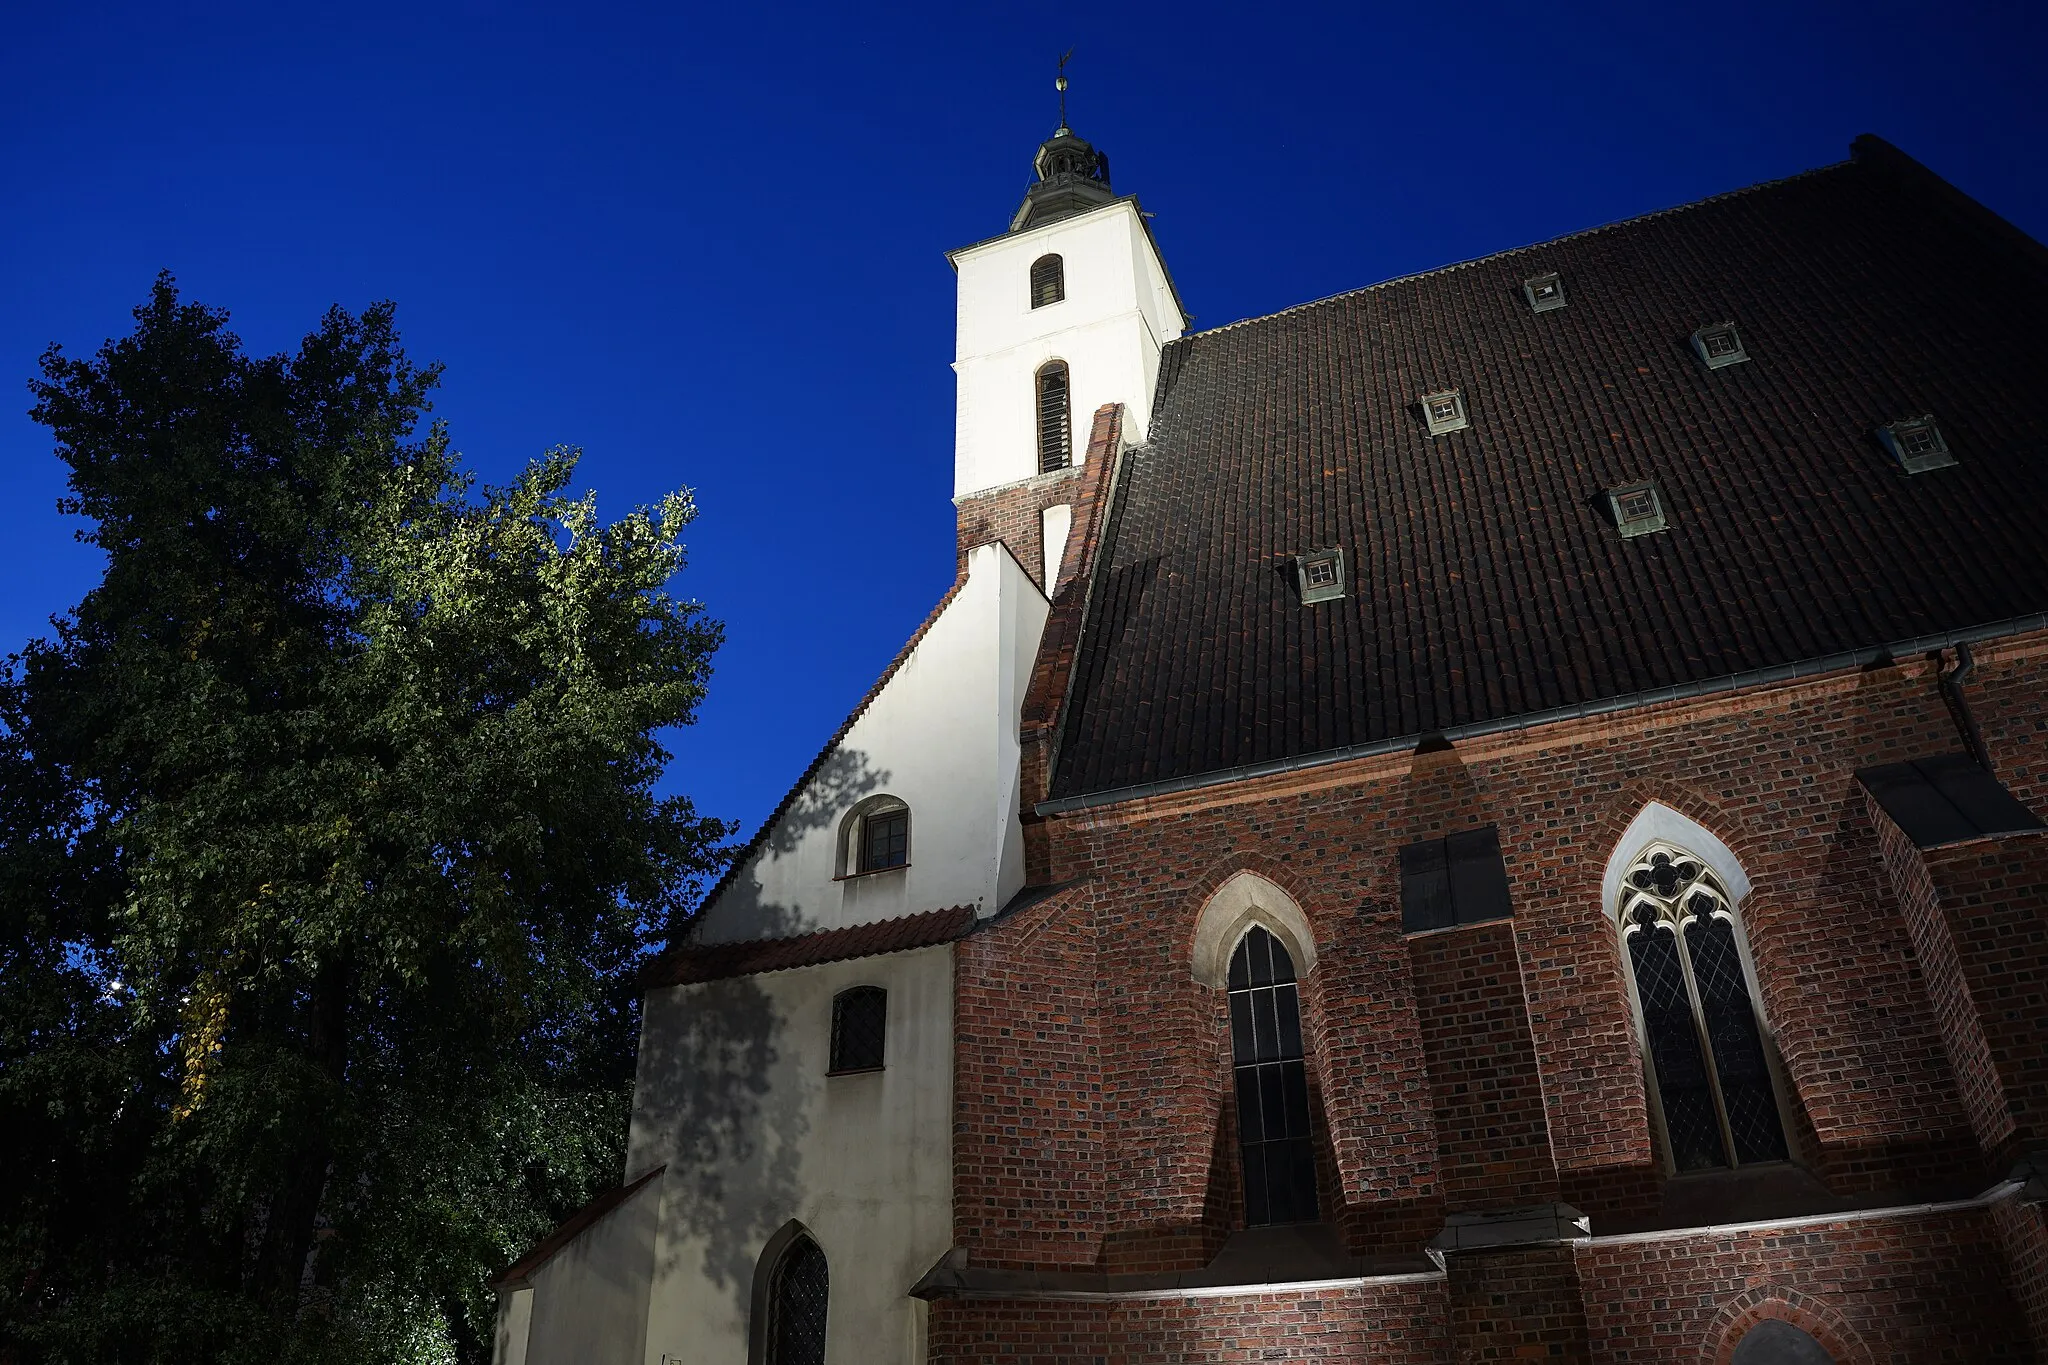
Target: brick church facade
(1510, 829)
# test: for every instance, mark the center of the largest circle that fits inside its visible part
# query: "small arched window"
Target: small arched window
(875, 838)
(860, 1027)
(1048, 281)
(1708, 1069)
(1272, 1084)
(1055, 427)
(797, 1291)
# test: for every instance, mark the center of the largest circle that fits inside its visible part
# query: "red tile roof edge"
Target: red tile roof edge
(572, 1227)
(689, 964)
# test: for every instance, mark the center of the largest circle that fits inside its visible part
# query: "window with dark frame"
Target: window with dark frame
(1055, 426)
(1321, 575)
(797, 1296)
(1274, 1141)
(1719, 344)
(1704, 1039)
(1544, 292)
(1917, 444)
(860, 1029)
(1460, 879)
(1048, 281)
(1444, 412)
(1638, 509)
(884, 840)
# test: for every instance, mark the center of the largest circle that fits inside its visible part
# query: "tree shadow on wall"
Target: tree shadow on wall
(709, 1074)
(715, 1079)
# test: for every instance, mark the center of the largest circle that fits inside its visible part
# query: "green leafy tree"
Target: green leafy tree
(331, 843)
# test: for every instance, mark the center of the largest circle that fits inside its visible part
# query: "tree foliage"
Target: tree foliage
(331, 841)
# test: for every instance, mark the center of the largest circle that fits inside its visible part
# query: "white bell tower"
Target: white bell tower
(1077, 282)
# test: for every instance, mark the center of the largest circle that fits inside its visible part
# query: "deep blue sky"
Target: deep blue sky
(705, 243)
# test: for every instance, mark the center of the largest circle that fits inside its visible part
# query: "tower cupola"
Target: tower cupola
(1072, 176)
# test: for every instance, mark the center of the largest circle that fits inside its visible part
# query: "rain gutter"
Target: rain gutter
(1730, 682)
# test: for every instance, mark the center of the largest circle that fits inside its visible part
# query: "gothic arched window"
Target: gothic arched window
(796, 1305)
(1272, 1084)
(1048, 281)
(1708, 1070)
(1055, 428)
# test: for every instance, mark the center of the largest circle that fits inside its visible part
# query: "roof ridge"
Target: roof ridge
(1471, 261)
(760, 835)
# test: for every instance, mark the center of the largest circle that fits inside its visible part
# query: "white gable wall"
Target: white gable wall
(942, 737)
(1119, 310)
(732, 1093)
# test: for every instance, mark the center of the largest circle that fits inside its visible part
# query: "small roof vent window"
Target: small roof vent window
(1321, 574)
(1444, 412)
(1719, 345)
(1916, 443)
(1637, 507)
(1545, 292)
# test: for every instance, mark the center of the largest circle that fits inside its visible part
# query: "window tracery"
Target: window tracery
(1708, 1068)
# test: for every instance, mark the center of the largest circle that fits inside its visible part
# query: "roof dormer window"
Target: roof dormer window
(1544, 292)
(1048, 281)
(1637, 508)
(1321, 574)
(1718, 345)
(1916, 443)
(1444, 412)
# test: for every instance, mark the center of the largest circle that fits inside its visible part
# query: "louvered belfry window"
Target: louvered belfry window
(1048, 281)
(1272, 1084)
(1700, 1025)
(1055, 428)
(796, 1306)
(860, 1024)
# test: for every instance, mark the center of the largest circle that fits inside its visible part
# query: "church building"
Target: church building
(1495, 816)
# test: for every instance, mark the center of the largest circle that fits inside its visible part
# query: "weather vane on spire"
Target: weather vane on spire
(1061, 85)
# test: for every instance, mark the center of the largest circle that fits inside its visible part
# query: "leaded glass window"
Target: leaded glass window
(1055, 425)
(1272, 1084)
(860, 1023)
(1707, 1063)
(796, 1306)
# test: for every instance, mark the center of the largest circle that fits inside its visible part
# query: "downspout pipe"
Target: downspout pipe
(1952, 690)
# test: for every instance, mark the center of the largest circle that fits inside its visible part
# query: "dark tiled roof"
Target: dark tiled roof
(572, 1227)
(1487, 581)
(681, 965)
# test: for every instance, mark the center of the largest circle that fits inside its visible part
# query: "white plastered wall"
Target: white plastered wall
(1119, 310)
(941, 737)
(586, 1304)
(732, 1094)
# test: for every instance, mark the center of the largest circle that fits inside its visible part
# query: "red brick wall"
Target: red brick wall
(1962, 1029)
(1028, 1175)
(1095, 1130)
(1392, 1324)
(1521, 1304)
(1919, 1289)
(1013, 515)
(1493, 1144)
(1771, 774)
(2023, 1235)
(1993, 895)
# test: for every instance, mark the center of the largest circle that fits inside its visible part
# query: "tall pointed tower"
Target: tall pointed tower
(1061, 314)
